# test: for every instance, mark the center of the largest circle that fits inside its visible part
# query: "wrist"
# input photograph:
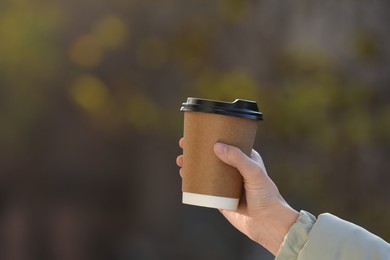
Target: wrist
(276, 223)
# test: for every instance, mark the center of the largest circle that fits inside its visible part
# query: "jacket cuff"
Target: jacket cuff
(296, 237)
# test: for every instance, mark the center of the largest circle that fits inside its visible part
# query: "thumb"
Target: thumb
(249, 169)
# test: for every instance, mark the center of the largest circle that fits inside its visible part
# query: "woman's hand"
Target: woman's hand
(263, 215)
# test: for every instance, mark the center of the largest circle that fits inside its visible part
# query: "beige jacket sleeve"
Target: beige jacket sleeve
(331, 238)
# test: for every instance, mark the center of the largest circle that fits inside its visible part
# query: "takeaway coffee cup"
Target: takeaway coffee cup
(207, 181)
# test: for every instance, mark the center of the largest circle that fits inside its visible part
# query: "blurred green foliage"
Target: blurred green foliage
(119, 70)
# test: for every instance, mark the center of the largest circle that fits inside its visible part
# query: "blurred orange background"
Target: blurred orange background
(90, 93)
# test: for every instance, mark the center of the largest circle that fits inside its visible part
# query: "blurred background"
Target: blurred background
(90, 93)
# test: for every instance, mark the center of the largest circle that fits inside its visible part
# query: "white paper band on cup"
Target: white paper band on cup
(210, 201)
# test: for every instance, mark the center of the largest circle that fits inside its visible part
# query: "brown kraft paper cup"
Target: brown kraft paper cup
(207, 181)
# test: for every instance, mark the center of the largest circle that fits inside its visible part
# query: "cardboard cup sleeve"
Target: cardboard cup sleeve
(207, 181)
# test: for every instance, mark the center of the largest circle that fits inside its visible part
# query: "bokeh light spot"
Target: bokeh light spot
(365, 46)
(86, 52)
(141, 111)
(233, 10)
(110, 32)
(193, 47)
(90, 93)
(357, 127)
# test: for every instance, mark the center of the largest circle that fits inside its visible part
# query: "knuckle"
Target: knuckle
(254, 176)
(233, 154)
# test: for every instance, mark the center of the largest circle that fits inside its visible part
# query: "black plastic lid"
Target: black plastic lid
(239, 108)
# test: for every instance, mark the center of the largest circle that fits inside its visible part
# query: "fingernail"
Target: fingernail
(220, 148)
